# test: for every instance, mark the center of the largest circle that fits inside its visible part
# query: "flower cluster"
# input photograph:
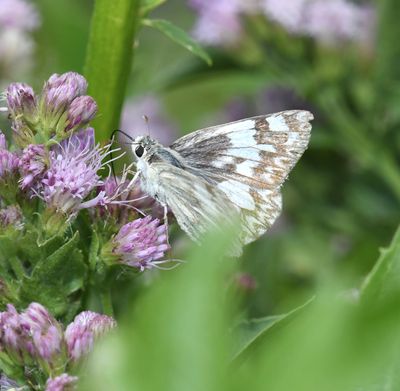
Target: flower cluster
(60, 109)
(11, 216)
(35, 338)
(81, 334)
(328, 21)
(218, 21)
(63, 382)
(325, 20)
(54, 201)
(18, 19)
(140, 243)
(64, 189)
(59, 163)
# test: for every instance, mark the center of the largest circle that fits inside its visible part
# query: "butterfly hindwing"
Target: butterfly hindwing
(248, 161)
(197, 205)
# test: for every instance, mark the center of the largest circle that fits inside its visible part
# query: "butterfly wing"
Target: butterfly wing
(248, 161)
(197, 205)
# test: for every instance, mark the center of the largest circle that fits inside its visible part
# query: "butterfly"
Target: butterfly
(226, 171)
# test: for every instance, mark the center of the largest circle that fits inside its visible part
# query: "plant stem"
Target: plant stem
(106, 302)
(109, 58)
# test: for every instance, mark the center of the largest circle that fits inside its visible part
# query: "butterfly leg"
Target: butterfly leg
(166, 222)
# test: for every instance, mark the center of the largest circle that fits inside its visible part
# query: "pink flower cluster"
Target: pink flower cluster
(141, 243)
(34, 337)
(328, 21)
(59, 162)
(60, 109)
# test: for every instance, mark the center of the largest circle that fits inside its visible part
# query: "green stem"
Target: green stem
(109, 59)
(106, 302)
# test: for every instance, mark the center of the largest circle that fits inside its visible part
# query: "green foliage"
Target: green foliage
(108, 60)
(179, 36)
(383, 280)
(388, 49)
(149, 5)
(178, 331)
(55, 278)
(249, 331)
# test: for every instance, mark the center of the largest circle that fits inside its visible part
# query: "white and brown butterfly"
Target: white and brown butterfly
(223, 171)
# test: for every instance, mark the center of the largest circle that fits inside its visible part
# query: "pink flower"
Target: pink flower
(81, 334)
(141, 243)
(72, 173)
(218, 21)
(9, 161)
(337, 20)
(328, 21)
(18, 14)
(33, 334)
(32, 165)
(63, 382)
(11, 216)
(43, 330)
(81, 111)
(290, 14)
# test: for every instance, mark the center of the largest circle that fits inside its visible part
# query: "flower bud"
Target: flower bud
(9, 163)
(21, 101)
(75, 80)
(8, 384)
(87, 327)
(63, 382)
(81, 111)
(11, 216)
(58, 93)
(140, 243)
(23, 135)
(245, 282)
(11, 335)
(44, 330)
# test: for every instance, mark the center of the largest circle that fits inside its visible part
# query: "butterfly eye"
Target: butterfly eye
(139, 151)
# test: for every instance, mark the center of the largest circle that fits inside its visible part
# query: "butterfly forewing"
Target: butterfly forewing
(248, 161)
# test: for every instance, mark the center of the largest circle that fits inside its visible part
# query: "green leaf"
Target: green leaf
(176, 331)
(384, 279)
(179, 36)
(8, 247)
(250, 332)
(149, 5)
(108, 60)
(55, 278)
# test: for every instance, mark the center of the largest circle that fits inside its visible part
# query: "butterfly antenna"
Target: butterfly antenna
(146, 119)
(111, 154)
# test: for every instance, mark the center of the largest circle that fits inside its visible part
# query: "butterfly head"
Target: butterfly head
(143, 147)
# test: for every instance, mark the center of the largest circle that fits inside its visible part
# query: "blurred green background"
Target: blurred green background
(341, 201)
